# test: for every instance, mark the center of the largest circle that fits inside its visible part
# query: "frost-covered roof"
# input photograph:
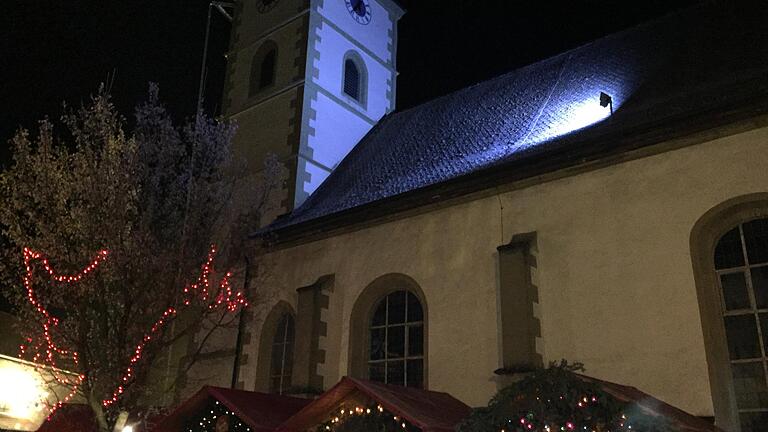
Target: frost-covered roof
(682, 62)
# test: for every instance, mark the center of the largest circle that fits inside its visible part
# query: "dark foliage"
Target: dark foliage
(558, 399)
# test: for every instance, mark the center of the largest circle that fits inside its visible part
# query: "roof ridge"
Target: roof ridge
(355, 149)
(646, 68)
(627, 30)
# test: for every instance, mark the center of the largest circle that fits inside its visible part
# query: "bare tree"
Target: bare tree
(118, 228)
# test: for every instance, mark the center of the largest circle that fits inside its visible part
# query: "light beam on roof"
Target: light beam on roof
(570, 115)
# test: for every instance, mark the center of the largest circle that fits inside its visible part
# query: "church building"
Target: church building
(608, 205)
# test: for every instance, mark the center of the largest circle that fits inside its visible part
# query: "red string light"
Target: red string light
(47, 350)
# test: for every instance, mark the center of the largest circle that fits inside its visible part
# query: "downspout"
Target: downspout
(240, 328)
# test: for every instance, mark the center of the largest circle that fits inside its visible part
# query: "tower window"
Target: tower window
(351, 79)
(282, 356)
(354, 81)
(267, 70)
(396, 353)
(263, 68)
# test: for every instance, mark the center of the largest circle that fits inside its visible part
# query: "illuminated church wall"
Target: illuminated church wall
(376, 36)
(614, 273)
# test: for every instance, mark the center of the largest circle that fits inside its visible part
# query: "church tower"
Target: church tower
(306, 80)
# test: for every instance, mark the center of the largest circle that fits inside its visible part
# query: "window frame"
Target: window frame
(272, 56)
(255, 86)
(362, 85)
(362, 314)
(705, 235)
(406, 325)
(266, 336)
(288, 341)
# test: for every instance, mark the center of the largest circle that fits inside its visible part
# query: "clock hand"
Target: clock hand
(359, 7)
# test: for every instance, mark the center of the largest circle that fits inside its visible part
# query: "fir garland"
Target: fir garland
(557, 400)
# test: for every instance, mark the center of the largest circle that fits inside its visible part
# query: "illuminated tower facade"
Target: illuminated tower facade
(306, 80)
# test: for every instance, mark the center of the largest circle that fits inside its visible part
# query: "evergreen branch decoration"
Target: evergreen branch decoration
(557, 399)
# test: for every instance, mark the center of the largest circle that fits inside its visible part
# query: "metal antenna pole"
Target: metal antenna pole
(205, 60)
(220, 7)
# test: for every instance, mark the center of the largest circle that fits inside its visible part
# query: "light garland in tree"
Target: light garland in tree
(361, 419)
(224, 297)
(46, 350)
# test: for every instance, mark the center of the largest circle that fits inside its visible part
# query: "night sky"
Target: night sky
(60, 50)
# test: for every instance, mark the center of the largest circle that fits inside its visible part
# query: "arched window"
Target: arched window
(263, 68)
(351, 79)
(267, 76)
(274, 364)
(396, 338)
(282, 356)
(728, 251)
(354, 82)
(388, 332)
(741, 265)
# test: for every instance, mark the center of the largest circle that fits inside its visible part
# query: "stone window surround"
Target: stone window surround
(361, 315)
(362, 70)
(287, 340)
(268, 330)
(254, 81)
(407, 324)
(704, 237)
(517, 301)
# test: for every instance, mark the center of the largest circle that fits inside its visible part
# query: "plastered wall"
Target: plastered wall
(251, 23)
(614, 271)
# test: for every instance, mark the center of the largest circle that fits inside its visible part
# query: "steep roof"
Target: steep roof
(702, 60)
(260, 411)
(76, 417)
(71, 418)
(440, 412)
(428, 410)
(678, 419)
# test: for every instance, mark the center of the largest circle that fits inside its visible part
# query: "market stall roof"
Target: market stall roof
(428, 410)
(681, 420)
(260, 411)
(70, 418)
(76, 417)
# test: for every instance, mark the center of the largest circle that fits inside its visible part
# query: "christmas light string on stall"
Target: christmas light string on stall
(375, 412)
(529, 421)
(47, 350)
(210, 421)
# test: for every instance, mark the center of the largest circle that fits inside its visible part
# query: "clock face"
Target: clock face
(266, 5)
(360, 10)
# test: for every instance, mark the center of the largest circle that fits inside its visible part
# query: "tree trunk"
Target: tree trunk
(99, 414)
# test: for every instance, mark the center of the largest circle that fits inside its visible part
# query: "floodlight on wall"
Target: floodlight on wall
(606, 101)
